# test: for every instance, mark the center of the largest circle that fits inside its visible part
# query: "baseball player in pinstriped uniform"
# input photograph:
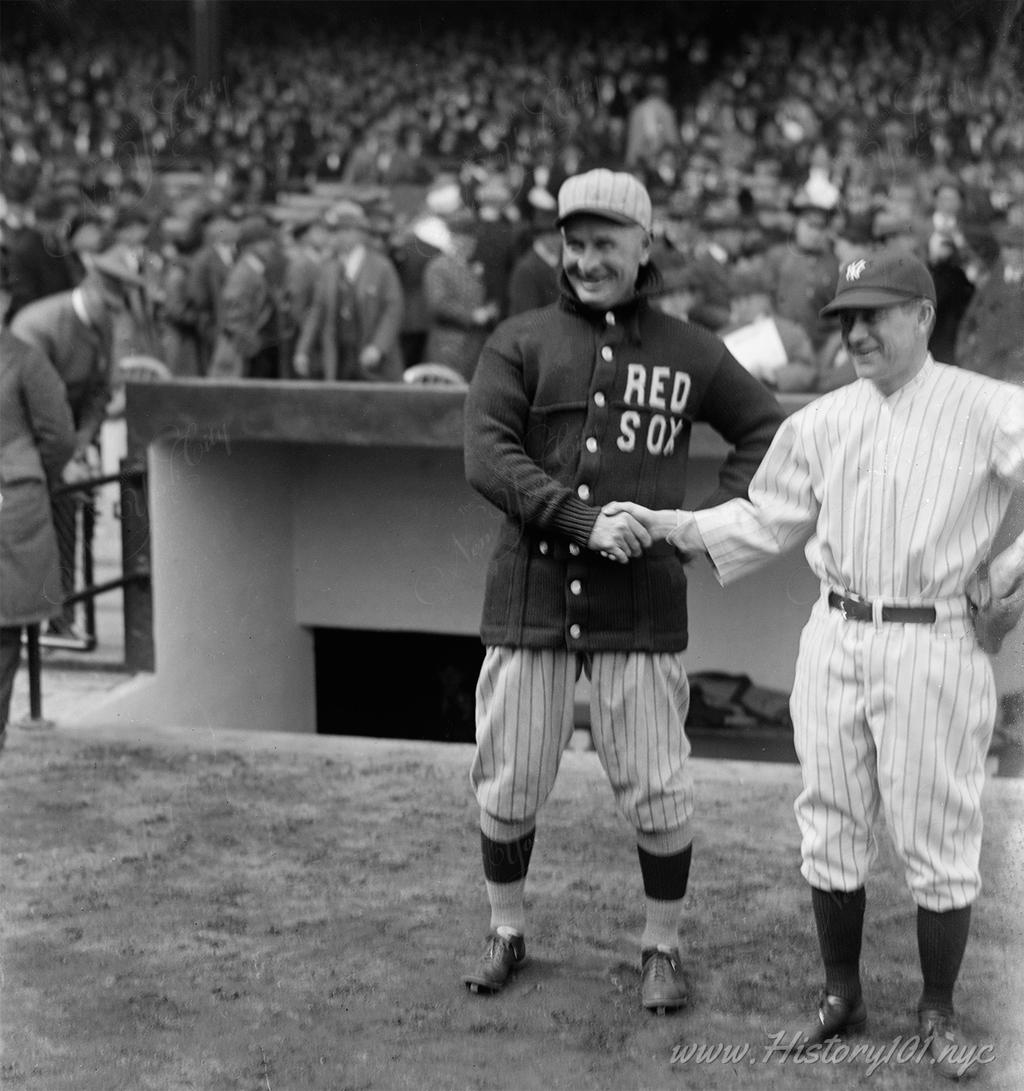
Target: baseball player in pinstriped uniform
(588, 400)
(902, 480)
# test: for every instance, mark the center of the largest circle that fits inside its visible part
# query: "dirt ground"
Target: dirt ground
(212, 910)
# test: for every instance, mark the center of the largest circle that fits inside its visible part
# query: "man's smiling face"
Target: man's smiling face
(602, 258)
(887, 345)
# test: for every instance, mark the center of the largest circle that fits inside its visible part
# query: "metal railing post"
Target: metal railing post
(88, 509)
(35, 687)
(138, 592)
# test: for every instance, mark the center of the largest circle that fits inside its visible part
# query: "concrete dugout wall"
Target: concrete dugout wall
(279, 508)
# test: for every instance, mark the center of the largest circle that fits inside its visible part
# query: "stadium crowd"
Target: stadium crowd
(360, 195)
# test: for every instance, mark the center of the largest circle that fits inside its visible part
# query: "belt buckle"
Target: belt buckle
(842, 609)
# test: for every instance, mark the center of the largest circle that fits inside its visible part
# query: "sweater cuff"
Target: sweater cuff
(576, 520)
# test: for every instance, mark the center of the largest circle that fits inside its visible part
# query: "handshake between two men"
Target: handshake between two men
(624, 530)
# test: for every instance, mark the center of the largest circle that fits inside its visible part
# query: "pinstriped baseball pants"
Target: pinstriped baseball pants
(894, 718)
(638, 706)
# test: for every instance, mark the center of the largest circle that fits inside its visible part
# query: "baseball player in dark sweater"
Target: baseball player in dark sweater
(586, 401)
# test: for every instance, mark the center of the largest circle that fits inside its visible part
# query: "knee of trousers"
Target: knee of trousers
(836, 850)
(657, 809)
(941, 886)
(508, 793)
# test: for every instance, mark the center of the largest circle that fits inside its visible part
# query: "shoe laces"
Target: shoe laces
(663, 966)
(496, 947)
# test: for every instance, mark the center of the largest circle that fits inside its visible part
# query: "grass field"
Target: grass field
(278, 913)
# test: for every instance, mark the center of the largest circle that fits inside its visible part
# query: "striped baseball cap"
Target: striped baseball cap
(611, 195)
(881, 279)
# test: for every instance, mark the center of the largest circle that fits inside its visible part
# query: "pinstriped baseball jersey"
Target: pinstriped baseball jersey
(901, 496)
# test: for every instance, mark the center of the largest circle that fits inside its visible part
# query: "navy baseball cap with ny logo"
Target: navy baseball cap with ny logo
(882, 279)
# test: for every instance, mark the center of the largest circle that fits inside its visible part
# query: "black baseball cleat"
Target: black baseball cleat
(950, 1052)
(502, 954)
(836, 1018)
(663, 985)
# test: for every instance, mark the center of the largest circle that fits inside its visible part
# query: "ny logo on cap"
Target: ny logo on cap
(855, 268)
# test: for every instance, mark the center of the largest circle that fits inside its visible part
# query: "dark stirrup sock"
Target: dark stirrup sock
(941, 942)
(839, 917)
(665, 877)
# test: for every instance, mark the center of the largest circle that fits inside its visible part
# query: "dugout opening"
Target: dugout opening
(396, 685)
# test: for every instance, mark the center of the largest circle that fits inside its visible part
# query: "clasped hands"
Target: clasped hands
(624, 530)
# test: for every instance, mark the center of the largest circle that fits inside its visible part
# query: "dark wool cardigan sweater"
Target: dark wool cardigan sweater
(571, 408)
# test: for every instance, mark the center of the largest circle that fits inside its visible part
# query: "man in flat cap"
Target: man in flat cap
(252, 330)
(209, 271)
(355, 321)
(74, 330)
(589, 400)
(897, 485)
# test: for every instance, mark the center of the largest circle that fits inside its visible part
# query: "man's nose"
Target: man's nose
(588, 258)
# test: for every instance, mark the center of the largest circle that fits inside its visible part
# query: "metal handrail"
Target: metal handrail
(89, 592)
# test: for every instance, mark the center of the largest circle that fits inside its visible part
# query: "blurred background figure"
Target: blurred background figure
(990, 337)
(499, 238)
(776, 350)
(697, 273)
(535, 275)
(87, 236)
(895, 230)
(74, 331)
(455, 289)
(306, 253)
(803, 271)
(946, 249)
(414, 247)
(176, 314)
(652, 128)
(33, 259)
(37, 438)
(209, 270)
(355, 320)
(251, 332)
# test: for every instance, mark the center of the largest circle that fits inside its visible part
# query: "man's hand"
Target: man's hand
(300, 362)
(998, 596)
(658, 524)
(618, 536)
(370, 356)
(82, 467)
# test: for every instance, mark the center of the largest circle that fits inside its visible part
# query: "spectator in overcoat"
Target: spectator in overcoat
(209, 270)
(250, 337)
(356, 316)
(74, 330)
(37, 438)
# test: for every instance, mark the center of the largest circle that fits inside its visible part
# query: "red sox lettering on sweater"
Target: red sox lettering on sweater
(657, 387)
(570, 409)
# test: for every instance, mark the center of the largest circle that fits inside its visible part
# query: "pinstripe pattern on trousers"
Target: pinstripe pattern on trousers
(638, 710)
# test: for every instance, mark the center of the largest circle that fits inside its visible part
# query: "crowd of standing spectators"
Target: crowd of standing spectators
(368, 188)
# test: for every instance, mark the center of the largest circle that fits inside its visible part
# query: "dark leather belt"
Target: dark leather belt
(855, 610)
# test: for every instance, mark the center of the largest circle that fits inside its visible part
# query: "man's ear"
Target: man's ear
(645, 253)
(928, 315)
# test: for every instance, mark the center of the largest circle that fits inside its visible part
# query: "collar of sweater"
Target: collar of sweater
(627, 314)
